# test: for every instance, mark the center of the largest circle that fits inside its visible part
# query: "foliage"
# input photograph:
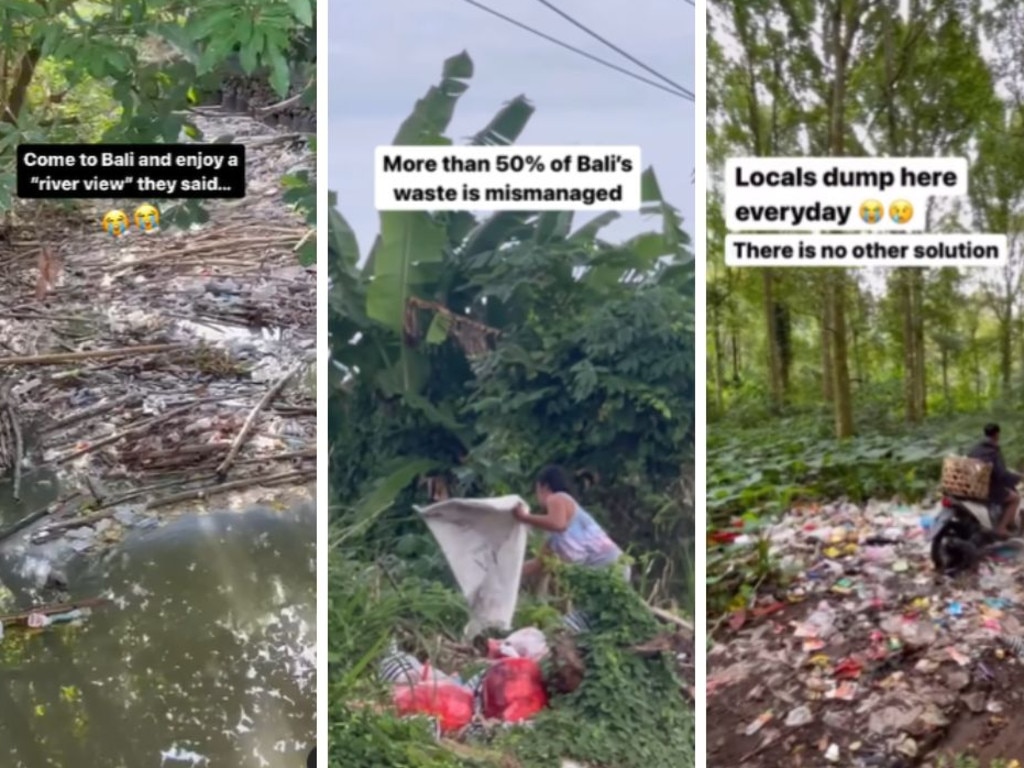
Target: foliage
(473, 349)
(756, 474)
(966, 761)
(125, 72)
(628, 712)
(368, 605)
(825, 384)
(939, 81)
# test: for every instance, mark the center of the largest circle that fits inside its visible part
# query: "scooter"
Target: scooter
(964, 531)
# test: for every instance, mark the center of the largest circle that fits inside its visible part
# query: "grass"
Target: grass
(629, 712)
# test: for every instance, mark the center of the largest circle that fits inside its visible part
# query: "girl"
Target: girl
(573, 534)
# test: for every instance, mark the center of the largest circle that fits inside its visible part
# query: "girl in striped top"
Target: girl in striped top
(574, 536)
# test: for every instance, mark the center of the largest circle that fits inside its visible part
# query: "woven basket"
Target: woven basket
(967, 478)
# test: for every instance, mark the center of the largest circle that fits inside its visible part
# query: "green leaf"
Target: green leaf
(409, 240)
(439, 327)
(23, 8)
(280, 75)
(215, 24)
(303, 11)
(214, 54)
(387, 488)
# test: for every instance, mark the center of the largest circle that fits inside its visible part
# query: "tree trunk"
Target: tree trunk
(840, 370)
(907, 330)
(774, 347)
(945, 380)
(920, 352)
(716, 329)
(735, 343)
(843, 25)
(826, 353)
(1006, 346)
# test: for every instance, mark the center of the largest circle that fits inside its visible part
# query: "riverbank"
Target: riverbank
(165, 370)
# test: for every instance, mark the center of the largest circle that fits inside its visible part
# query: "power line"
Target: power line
(579, 25)
(681, 94)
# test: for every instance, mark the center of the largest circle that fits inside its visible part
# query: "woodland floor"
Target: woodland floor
(866, 657)
(136, 377)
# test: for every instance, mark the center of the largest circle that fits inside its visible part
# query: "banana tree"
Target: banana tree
(448, 306)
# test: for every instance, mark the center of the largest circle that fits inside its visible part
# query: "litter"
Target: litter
(876, 648)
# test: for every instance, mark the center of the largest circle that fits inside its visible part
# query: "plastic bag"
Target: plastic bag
(525, 643)
(451, 704)
(513, 690)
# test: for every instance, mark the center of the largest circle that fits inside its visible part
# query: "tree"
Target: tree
(469, 350)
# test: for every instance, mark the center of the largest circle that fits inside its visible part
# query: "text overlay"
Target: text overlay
(148, 171)
(546, 178)
(818, 194)
(865, 250)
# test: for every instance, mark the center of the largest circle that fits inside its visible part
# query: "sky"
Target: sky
(383, 56)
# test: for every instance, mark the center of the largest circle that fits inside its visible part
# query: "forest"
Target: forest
(468, 351)
(834, 395)
(844, 355)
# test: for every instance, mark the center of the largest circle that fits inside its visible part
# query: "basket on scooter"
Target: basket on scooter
(966, 478)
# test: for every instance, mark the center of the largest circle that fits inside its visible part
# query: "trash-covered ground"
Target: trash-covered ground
(865, 656)
(472, 695)
(164, 370)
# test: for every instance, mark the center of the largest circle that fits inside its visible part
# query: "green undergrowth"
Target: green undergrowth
(628, 713)
(758, 472)
(966, 761)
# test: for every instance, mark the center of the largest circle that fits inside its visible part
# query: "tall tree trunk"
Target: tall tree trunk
(1006, 345)
(716, 329)
(920, 352)
(907, 331)
(840, 370)
(843, 25)
(774, 347)
(735, 344)
(826, 352)
(945, 380)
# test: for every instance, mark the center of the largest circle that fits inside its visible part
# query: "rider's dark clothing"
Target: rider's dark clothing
(1003, 480)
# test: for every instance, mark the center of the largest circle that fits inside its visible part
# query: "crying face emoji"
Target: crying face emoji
(901, 211)
(871, 211)
(115, 223)
(147, 218)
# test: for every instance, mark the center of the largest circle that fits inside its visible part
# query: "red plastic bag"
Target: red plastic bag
(514, 690)
(451, 704)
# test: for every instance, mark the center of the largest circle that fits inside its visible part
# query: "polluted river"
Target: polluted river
(157, 511)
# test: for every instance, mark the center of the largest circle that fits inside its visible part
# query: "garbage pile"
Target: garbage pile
(162, 369)
(510, 689)
(866, 656)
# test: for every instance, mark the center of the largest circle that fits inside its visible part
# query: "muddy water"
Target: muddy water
(204, 657)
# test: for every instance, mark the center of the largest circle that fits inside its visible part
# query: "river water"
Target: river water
(203, 657)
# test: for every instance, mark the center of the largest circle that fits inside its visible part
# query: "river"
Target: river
(203, 657)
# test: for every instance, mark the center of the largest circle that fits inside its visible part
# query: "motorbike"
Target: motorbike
(963, 531)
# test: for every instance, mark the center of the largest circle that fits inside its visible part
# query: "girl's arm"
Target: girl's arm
(560, 510)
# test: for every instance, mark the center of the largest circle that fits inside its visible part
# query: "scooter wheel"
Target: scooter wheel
(950, 553)
(938, 548)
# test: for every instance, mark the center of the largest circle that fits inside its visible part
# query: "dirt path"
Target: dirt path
(865, 657)
(172, 367)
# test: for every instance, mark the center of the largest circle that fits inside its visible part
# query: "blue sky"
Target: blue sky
(384, 55)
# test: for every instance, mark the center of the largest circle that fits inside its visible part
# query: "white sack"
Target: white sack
(485, 547)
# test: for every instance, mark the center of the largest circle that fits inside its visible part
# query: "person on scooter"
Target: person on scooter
(1003, 485)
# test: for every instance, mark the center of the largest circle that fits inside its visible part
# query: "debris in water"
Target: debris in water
(179, 755)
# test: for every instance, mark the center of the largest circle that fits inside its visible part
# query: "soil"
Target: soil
(915, 668)
(165, 369)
